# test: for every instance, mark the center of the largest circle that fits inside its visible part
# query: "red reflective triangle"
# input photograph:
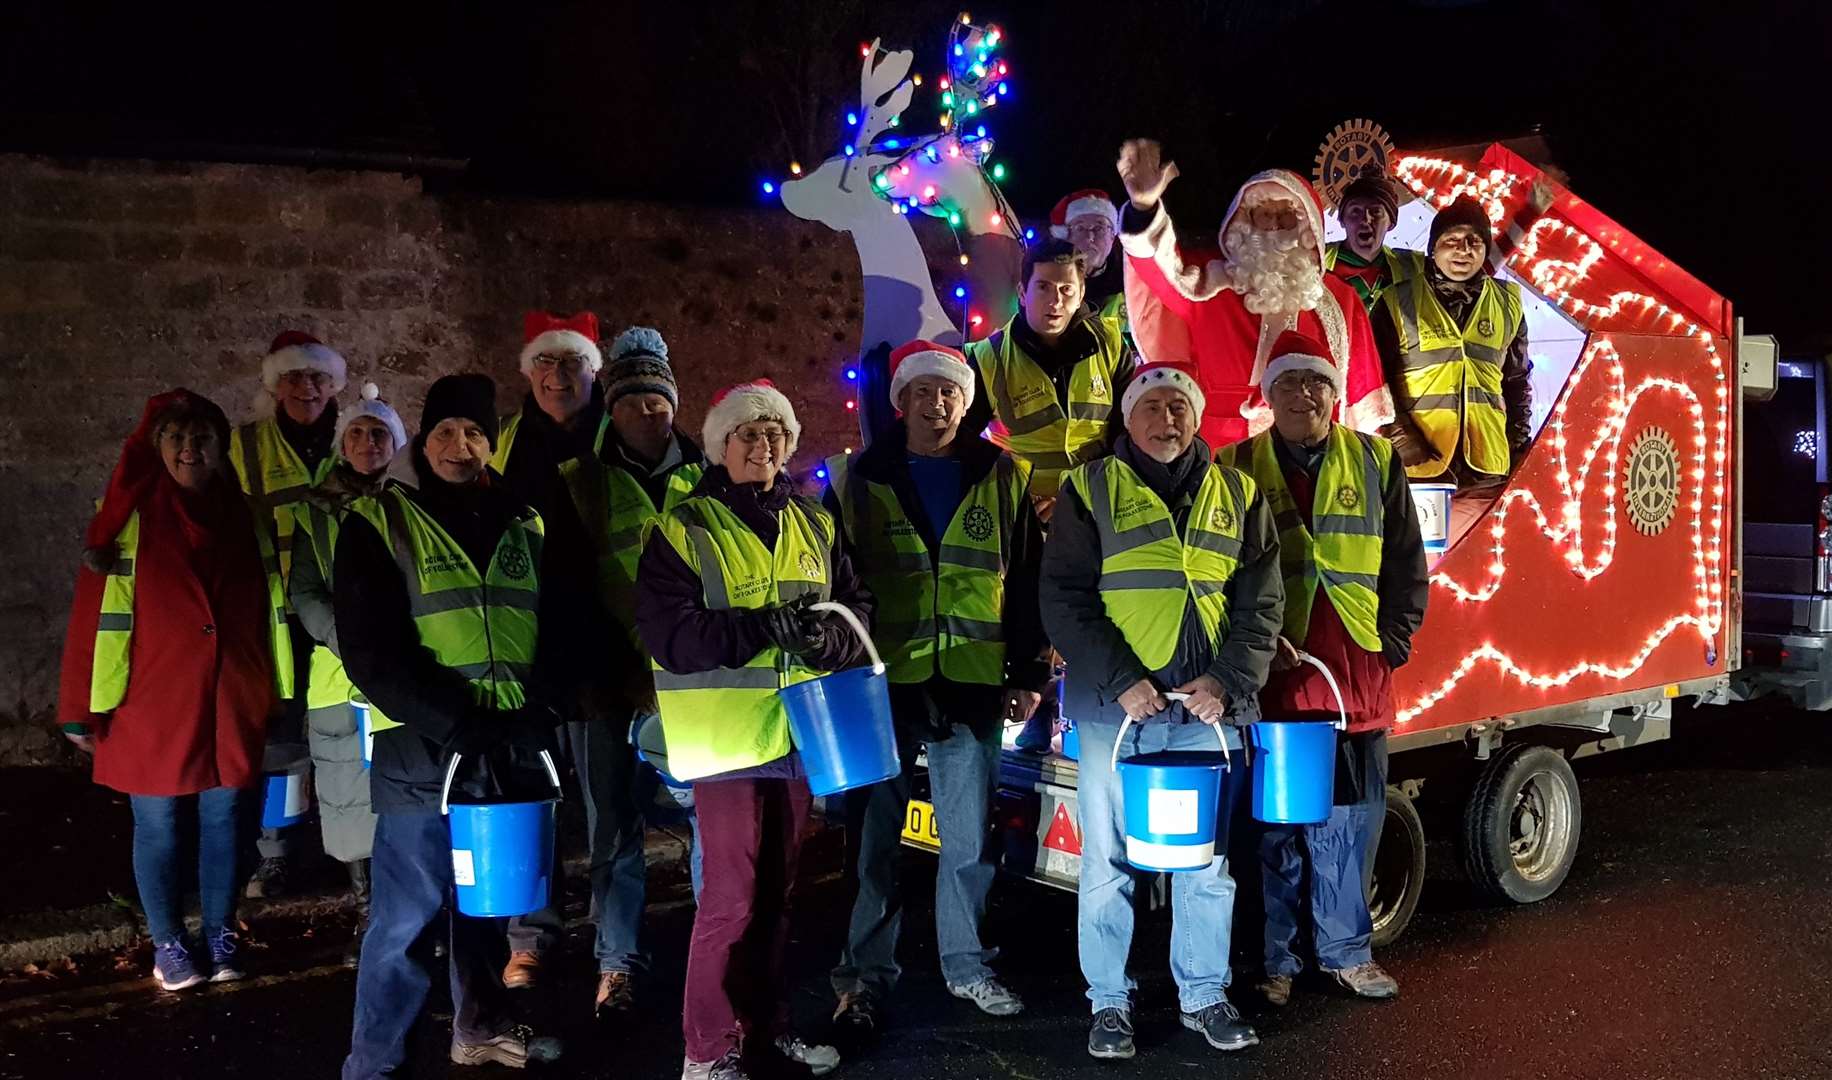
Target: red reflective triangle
(1062, 835)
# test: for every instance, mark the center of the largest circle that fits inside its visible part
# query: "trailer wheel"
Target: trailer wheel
(1521, 824)
(1399, 870)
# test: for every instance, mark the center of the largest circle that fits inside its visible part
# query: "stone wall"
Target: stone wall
(119, 279)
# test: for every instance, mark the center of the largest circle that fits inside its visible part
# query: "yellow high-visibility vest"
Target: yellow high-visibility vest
(1339, 551)
(327, 683)
(1029, 422)
(273, 475)
(617, 513)
(937, 612)
(730, 718)
(1148, 573)
(1453, 373)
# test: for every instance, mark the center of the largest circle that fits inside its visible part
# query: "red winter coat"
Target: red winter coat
(201, 682)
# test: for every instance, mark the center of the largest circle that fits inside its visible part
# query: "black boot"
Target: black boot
(359, 889)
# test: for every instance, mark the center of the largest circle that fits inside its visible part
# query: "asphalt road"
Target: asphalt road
(1692, 939)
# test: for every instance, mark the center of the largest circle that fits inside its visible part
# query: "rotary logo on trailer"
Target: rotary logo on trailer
(1356, 148)
(1652, 488)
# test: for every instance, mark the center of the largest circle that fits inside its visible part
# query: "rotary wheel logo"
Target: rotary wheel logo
(514, 563)
(1347, 497)
(810, 565)
(978, 523)
(1221, 520)
(1356, 148)
(1652, 489)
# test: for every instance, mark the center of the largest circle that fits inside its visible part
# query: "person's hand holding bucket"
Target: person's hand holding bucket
(1203, 698)
(1142, 700)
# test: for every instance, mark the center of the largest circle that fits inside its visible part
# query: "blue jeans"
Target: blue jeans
(411, 878)
(163, 838)
(1202, 901)
(608, 773)
(963, 770)
(1337, 853)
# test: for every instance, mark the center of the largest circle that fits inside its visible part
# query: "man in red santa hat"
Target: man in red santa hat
(1222, 316)
(1090, 221)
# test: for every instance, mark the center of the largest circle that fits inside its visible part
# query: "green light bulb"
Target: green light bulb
(998, 172)
(973, 107)
(954, 217)
(947, 99)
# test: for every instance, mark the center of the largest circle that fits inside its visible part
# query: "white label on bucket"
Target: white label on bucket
(1171, 813)
(298, 794)
(464, 872)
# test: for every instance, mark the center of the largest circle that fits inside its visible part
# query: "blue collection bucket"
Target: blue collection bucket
(1071, 739)
(1294, 781)
(502, 853)
(841, 722)
(363, 731)
(286, 787)
(652, 748)
(1433, 503)
(1171, 800)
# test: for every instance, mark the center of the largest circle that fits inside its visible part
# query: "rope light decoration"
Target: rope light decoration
(1557, 260)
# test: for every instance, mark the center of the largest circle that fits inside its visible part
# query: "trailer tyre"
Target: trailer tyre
(1521, 824)
(1399, 870)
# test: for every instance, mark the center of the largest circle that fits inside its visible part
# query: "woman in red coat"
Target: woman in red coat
(168, 674)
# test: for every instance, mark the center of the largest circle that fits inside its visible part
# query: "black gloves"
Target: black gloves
(795, 628)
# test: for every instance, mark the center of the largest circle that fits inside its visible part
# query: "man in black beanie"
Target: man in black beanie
(447, 651)
(1453, 341)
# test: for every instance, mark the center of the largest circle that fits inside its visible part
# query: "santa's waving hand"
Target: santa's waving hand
(1222, 315)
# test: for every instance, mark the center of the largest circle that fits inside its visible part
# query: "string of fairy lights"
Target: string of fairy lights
(1560, 280)
(949, 175)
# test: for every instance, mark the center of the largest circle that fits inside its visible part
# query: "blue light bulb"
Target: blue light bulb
(852, 373)
(1030, 234)
(852, 119)
(959, 51)
(848, 149)
(769, 188)
(820, 474)
(960, 292)
(1003, 90)
(891, 144)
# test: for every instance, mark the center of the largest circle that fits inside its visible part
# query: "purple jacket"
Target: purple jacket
(685, 636)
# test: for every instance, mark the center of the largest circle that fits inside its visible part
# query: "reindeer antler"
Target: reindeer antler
(882, 79)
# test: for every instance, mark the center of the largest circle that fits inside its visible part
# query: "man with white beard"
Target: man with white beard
(1222, 315)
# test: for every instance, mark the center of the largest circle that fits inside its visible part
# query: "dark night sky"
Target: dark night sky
(1698, 124)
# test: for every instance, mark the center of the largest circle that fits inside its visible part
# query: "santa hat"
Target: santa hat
(918, 358)
(639, 365)
(370, 404)
(1152, 376)
(296, 350)
(1278, 183)
(544, 333)
(1294, 351)
(1078, 204)
(742, 404)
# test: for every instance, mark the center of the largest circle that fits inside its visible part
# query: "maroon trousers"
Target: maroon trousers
(750, 841)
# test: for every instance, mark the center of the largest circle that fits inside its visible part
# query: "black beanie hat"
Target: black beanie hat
(1375, 187)
(470, 397)
(1464, 211)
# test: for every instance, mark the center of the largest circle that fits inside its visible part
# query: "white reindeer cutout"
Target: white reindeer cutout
(900, 300)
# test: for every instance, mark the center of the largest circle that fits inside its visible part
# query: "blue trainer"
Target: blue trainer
(225, 955)
(174, 968)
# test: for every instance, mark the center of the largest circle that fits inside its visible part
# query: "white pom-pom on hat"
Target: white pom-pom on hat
(639, 340)
(370, 404)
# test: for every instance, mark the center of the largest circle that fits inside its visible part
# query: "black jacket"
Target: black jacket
(385, 660)
(886, 461)
(541, 446)
(1101, 665)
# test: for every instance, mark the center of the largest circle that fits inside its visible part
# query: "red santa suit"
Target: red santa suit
(1190, 311)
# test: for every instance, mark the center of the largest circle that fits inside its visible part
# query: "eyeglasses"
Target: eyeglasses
(306, 378)
(1309, 383)
(565, 363)
(753, 436)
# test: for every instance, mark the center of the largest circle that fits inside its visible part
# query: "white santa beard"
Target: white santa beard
(1275, 272)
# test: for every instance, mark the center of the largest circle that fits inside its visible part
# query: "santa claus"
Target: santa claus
(1223, 315)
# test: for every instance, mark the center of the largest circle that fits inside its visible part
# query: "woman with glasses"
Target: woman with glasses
(723, 594)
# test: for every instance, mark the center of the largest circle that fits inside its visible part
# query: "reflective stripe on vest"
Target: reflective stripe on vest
(327, 684)
(274, 476)
(1340, 551)
(109, 671)
(1453, 374)
(965, 642)
(730, 718)
(1027, 419)
(1146, 570)
(617, 512)
(481, 626)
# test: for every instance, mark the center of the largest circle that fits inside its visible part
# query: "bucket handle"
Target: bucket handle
(451, 770)
(845, 613)
(1342, 712)
(1114, 763)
